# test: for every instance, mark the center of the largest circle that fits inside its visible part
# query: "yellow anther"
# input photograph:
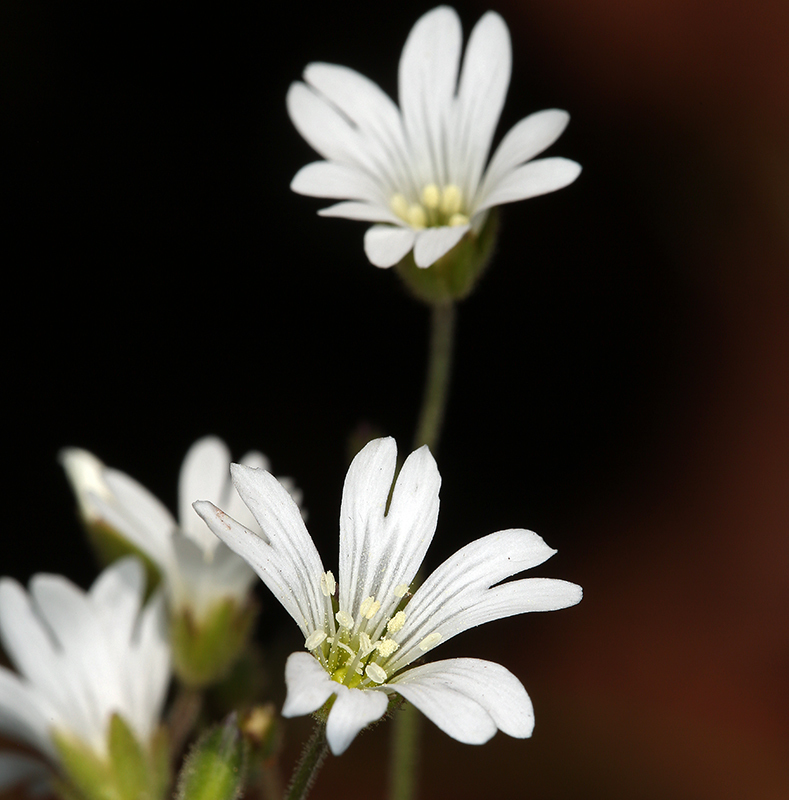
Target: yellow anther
(431, 195)
(458, 219)
(375, 673)
(396, 622)
(344, 619)
(416, 216)
(451, 200)
(401, 590)
(315, 639)
(369, 607)
(386, 647)
(430, 641)
(328, 584)
(399, 205)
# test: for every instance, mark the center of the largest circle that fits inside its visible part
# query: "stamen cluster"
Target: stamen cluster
(437, 207)
(356, 650)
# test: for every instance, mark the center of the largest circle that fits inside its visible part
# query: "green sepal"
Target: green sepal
(456, 273)
(109, 545)
(204, 650)
(128, 772)
(215, 768)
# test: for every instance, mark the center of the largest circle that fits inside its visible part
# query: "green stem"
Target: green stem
(406, 733)
(439, 367)
(404, 753)
(311, 761)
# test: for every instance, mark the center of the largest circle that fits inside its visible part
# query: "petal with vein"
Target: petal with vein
(530, 180)
(525, 140)
(427, 80)
(464, 695)
(432, 243)
(353, 710)
(309, 685)
(326, 129)
(484, 80)
(328, 179)
(387, 245)
(284, 556)
(372, 111)
(446, 601)
(367, 212)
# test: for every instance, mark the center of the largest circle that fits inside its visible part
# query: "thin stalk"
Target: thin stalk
(308, 767)
(407, 724)
(439, 368)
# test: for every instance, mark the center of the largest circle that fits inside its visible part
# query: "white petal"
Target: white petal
(432, 243)
(468, 698)
(28, 644)
(386, 245)
(457, 595)
(147, 669)
(285, 557)
(327, 179)
(427, 81)
(373, 113)
(25, 715)
(309, 685)
(380, 552)
(205, 475)
(88, 651)
(525, 140)
(353, 710)
(484, 79)
(367, 212)
(327, 130)
(116, 596)
(139, 516)
(364, 497)
(530, 180)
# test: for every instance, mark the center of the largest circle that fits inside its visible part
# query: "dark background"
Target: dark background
(621, 380)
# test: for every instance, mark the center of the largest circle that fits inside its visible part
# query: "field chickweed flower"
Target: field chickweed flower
(207, 583)
(419, 171)
(83, 659)
(363, 632)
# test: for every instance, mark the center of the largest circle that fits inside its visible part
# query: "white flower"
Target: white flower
(419, 171)
(361, 643)
(198, 569)
(81, 657)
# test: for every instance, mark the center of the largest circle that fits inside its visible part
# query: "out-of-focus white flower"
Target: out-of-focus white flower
(361, 644)
(82, 657)
(198, 569)
(207, 584)
(421, 171)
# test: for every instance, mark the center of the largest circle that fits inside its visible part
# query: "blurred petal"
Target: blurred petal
(482, 89)
(535, 178)
(387, 245)
(527, 139)
(427, 81)
(432, 243)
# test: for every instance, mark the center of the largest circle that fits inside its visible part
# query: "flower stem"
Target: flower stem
(439, 367)
(407, 723)
(404, 753)
(311, 761)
